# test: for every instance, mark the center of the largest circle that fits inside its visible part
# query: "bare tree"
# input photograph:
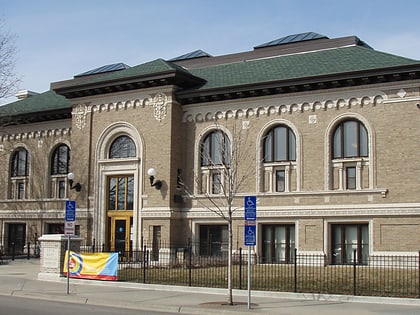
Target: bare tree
(231, 165)
(8, 78)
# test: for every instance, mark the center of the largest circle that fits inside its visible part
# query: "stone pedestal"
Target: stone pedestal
(53, 251)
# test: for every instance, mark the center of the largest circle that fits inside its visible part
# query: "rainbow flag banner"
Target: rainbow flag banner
(95, 266)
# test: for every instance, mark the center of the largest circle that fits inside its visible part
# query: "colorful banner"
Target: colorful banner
(95, 266)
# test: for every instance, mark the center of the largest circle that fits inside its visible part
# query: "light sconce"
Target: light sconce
(77, 187)
(152, 173)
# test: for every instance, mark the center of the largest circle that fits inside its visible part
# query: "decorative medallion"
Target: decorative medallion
(159, 105)
(80, 113)
(401, 93)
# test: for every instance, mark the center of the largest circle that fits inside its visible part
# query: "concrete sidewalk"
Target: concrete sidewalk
(20, 278)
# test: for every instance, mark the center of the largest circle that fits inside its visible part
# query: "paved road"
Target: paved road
(21, 306)
(20, 279)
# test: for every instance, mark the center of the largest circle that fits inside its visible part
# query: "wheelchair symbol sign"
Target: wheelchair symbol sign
(250, 206)
(70, 210)
(250, 235)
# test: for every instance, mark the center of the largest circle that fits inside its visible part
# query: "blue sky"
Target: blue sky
(57, 39)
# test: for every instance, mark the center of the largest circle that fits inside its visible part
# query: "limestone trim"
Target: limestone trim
(296, 165)
(283, 106)
(60, 132)
(369, 161)
(344, 212)
(198, 170)
(159, 101)
(105, 167)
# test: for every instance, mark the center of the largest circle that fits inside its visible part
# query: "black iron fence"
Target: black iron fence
(15, 251)
(387, 276)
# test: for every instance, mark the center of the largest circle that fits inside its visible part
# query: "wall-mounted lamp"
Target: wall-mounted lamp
(152, 173)
(77, 187)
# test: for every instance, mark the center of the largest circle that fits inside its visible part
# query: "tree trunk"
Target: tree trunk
(230, 290)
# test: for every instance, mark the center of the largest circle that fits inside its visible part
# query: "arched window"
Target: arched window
(19, 174)
(350, 156)
(20, 163)
(215, 152)
(280, 145)
(279, 158)
(215, 149)
(122, 147)
(60, 160)
(350, 140)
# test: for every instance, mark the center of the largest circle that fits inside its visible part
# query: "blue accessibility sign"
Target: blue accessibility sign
(250, 206)
(250, 235)
(70, 210)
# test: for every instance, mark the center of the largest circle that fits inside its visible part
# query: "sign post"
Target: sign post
(69, 229)
(250, 235)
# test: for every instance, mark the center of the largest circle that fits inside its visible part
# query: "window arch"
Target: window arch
(20, 163)
(19, 174)
(215, 156)
(60, 160)
(279, 158)
(122, 147)
(60, 167)
(279, 144)
(349, 148)
(350, 139)
(215, 149)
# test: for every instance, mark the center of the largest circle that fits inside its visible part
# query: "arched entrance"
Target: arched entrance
(118, 186)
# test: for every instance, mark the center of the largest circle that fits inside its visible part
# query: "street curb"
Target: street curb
(244, 293)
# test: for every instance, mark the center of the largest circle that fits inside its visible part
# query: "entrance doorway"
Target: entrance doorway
(120, 234)
(16, 238)
(120, 197)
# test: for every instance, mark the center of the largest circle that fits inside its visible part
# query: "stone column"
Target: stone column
(53, 251)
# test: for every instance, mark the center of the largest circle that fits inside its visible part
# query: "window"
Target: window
(351, 177)
(279, 159)
(122, 147)
(19, 174)
(60, 167)
(60, 160)
(216, 183)
(213, 240)
(350, 140)
(215, 149)
(156, 240)
(278, 243)
(349, 241)
(20, 163)
(21, 190)
(350, 156)
(61, 189)
(120, 193)
(280, 181)
(279, 145)
(215, 153)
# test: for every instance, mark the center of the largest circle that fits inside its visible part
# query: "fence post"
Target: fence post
(13, 251)
(295, 272)
(28, 251)
(240, 268)
(190, 265)
(144, 263)
(354, 272)
(418, 267)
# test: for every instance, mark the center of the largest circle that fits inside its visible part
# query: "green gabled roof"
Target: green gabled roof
(146, 69)
(44, 102)
(298, 66)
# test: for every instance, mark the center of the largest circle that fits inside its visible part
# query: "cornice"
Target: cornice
(58, 132)
(159, 101)
(279, 106)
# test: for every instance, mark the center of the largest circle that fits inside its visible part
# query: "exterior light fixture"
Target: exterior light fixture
(77, 187)
(152, 173)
